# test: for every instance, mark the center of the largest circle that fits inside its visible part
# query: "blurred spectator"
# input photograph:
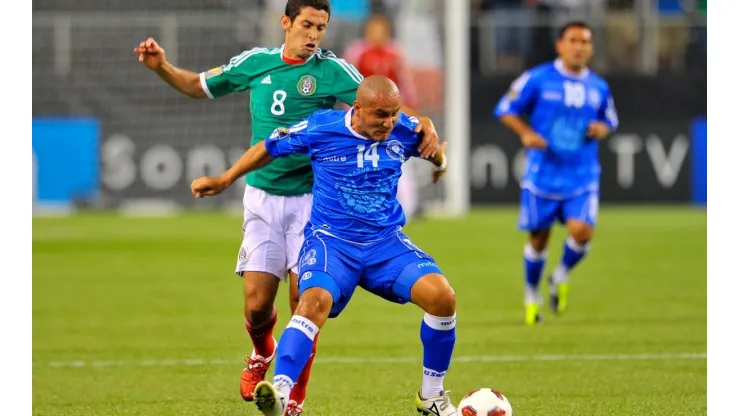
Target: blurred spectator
(377, 54)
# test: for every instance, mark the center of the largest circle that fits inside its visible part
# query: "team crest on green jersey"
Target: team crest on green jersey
(307, 85)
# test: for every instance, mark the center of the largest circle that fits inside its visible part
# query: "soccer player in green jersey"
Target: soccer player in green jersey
(286, 84)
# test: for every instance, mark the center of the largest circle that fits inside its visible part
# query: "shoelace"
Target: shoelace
(447, 401)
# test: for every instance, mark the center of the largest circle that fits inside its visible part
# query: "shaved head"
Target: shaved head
(377, 107)
(375, 88)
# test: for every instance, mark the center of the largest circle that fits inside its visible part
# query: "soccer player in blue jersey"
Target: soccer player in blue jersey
(568, 111)
(354, 236)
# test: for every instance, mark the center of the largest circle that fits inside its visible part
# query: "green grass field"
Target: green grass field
(144, 317)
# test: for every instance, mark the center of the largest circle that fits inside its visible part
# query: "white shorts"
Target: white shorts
(273, 232)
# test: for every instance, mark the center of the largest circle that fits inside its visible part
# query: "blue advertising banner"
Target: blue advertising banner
(699, 161)
(66, 160)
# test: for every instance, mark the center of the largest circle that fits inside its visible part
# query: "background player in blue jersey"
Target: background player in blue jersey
(354, 236)
(569, 109)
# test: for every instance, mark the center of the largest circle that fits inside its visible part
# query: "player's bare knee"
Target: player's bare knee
(260, 290)
(434, 295)
(581, 232)
(538, 239)
(315, 304)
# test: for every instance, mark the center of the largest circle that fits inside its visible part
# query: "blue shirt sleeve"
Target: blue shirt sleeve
(287, 141)
(520, 98)
(411, 140)
(608, 111)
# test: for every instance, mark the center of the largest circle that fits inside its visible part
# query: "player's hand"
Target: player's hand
(598, 130)
(533, 140)
(207, 186)
(429, 137)
(437, 174)
(150, 54)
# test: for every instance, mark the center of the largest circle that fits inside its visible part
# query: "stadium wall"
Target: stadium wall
(657, 156)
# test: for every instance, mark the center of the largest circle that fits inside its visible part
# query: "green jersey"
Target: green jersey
(282, 94)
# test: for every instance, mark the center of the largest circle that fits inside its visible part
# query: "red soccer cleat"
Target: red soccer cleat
(253, 373)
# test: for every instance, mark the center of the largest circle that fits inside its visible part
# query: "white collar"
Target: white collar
(348, 124)
(560, 67)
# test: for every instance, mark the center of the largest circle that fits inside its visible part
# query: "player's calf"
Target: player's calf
(574, 251)
(436, 297)
(299, 391)
(535, 256)
(296, 343)
(260, 314)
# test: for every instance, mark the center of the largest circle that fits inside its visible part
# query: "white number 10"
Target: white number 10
(370, 154)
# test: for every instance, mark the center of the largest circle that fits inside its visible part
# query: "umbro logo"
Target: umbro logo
(434, 409)
(266, 80)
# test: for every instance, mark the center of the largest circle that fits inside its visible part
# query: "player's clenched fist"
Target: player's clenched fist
(598, 130)
(150, 54)
(207, 186)
(533, 140)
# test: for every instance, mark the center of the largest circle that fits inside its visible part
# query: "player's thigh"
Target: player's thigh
(581, 214)
(535, 212)
(328, 263)
(395, 265)
(262, 249)
(298, 212)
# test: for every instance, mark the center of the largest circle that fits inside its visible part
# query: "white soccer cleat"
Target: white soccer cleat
(268, 399)
(435, 406)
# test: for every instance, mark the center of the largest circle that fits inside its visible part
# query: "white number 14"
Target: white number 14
(370, 154)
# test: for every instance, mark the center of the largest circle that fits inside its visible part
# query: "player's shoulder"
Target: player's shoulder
(597, 80)
(405, 125)
(338, 65)
(323, 118)
(253, 55)
(532, 75)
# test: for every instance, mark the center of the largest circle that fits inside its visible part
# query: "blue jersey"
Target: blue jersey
(560, 106)
(355, 178)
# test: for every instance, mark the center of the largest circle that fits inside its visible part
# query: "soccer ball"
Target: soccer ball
(484, 402)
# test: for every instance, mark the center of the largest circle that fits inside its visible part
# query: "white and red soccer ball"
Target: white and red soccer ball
(484, 402)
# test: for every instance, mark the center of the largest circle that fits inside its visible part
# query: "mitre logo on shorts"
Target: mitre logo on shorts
(395, 150)
(309, 258)
(243, 254)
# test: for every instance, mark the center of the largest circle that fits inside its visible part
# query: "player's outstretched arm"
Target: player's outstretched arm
(254, 158)
(153, 57)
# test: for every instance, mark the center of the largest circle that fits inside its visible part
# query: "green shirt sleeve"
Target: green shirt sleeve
(346, 79)
(232, 77)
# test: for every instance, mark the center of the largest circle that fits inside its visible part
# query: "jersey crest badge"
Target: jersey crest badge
(395, 150)
(307, 85)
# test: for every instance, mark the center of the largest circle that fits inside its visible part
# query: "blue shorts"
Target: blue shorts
(539, 213)
(387, 268)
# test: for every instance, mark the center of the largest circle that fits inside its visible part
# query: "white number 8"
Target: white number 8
(278, 100)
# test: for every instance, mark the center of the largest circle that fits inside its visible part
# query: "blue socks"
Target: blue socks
(438, 338)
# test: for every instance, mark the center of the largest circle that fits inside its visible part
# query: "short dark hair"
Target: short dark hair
(293, 7)
(573, 24)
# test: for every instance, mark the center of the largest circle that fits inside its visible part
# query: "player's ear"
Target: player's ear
(285, 22)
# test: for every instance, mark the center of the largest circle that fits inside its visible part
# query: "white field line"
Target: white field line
(388, 360)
